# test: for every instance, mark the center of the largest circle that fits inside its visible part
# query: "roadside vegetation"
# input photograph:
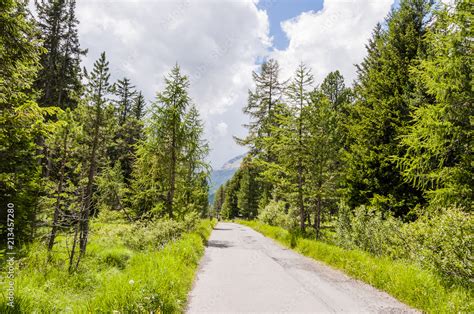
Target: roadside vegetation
(374, 178)
(422, 288)
(140, 267)
(79, 149)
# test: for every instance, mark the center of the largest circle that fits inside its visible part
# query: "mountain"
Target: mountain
(222, 175)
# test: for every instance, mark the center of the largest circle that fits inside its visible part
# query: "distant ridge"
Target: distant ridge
(222, 175)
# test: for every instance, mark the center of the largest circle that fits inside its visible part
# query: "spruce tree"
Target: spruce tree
(59, 79)
(219, 200)
(335, 90)
(97, 93)
(128, 131)
(230, 208)
(382, 111)
(249, 190)
(22, 121)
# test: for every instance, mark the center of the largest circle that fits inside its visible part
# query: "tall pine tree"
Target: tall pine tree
(382, 111)
(22, 121)
(59, 79)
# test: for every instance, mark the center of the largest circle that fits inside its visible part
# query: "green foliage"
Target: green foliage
(111, 277)
(230, 207)
(111, 188)
(249, 190)
(219, 199)
(438, 144)
(381, 111)
(128, 131)
(418, 287)
(274, 215)
(22, 121)
(170, 169)
(369, 230)
(442, 242)
(59, 79)
(155, 234)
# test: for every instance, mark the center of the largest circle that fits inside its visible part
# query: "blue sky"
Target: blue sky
(282, 10)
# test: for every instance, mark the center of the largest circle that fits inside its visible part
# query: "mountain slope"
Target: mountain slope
(222, 175)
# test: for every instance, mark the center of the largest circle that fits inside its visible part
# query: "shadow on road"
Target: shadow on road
(219, 244)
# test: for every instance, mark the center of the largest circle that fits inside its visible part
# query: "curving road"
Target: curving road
(243, 271)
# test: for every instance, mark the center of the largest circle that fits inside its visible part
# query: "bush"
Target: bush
(441, 241)
(274, 215)
(444, 241)
(111, 278)
(154, 234)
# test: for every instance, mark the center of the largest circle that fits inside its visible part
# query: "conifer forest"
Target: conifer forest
(105, 193)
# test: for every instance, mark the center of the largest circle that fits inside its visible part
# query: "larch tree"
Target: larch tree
(261, 108)
(322, 154)
(170, 173)
(171, 105)
(438, 155)
(298, 94)
(63, 185)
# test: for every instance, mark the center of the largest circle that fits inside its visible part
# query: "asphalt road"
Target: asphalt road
(243, 271)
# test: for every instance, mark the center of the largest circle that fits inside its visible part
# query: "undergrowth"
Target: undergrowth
(119, 272)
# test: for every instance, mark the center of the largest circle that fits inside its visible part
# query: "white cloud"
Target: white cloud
(221, 128)
(331, 39)
(215, 42)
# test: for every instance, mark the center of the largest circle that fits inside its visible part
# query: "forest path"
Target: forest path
(243, 271)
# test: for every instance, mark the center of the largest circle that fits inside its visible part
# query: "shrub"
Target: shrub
(111, 278)
(442, 241)
(154, 234)
(274, 215)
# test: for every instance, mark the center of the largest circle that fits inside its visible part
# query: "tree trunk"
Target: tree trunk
(300, 196)
(90, 181)
(57, 209)
(170, 196)
(317, 219)
(73, 249)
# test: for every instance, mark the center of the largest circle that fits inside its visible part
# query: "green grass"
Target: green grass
(112, 277)
(417, 287)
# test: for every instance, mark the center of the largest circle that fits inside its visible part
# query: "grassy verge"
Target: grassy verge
(419, 288)
(112, 277)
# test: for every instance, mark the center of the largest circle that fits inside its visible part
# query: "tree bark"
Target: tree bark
(57, 209)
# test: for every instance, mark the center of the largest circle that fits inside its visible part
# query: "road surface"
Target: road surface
(243, 271)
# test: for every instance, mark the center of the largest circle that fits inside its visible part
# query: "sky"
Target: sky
(218, 43)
